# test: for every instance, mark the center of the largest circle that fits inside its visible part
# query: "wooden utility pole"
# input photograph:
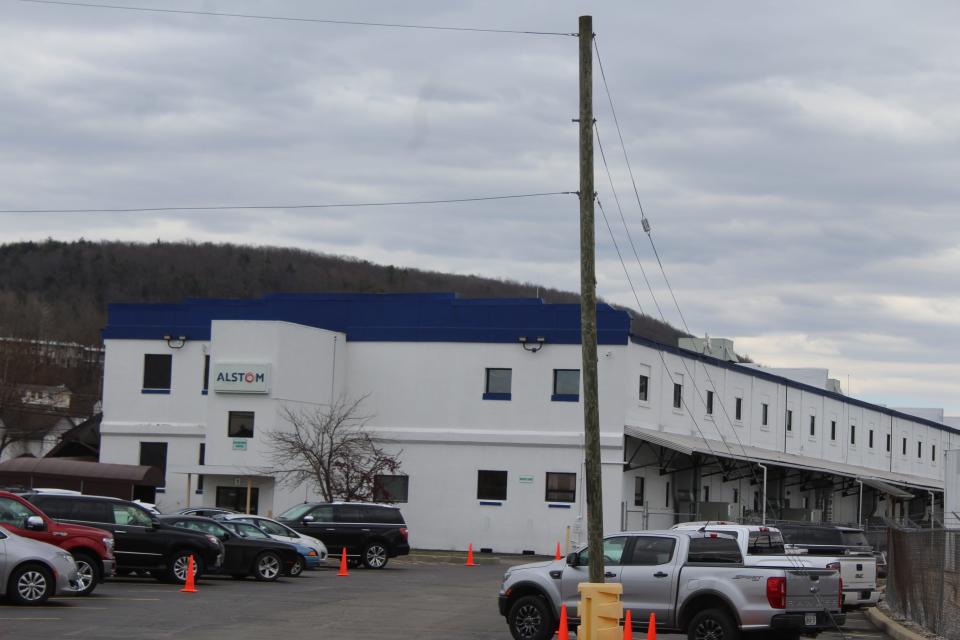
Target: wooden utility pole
(588, 308)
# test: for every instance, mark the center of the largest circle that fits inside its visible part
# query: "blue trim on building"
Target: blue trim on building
(793, 384)
(491, 503)
(157, 392)
(559, 506)
(497, 396)
(565, 397)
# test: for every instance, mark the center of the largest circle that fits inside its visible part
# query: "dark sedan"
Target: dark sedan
(249, 551)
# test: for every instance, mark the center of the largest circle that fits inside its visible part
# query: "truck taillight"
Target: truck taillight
(403, 532)
(777, 592)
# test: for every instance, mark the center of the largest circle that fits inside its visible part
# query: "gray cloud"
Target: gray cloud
(798, 162)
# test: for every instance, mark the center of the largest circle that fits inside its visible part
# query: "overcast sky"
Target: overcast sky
(799, 162)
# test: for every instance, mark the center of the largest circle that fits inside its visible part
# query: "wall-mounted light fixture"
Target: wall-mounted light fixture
(534, 345)
(175, 342)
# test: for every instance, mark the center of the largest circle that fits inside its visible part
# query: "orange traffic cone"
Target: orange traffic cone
(652, 627)
(343, 563)
(563, 633)
(558, 556)
(189, 586)
(470, 557)
(628, 627)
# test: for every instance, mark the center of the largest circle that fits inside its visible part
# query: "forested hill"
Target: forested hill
(60, 290)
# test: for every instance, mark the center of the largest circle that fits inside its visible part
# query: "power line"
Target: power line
(248, 16)
(292, 206)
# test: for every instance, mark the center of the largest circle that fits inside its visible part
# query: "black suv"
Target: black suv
(371, 533)
(142, 541)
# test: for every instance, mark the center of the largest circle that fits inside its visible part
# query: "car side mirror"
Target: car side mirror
(36, 523)
(225, 536)
(308, 518)
(573, 559)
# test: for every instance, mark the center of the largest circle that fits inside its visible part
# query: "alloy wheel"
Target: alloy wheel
(268, 567)
(709, 629)
(32, 586)
(376, 556)
(85, 574)
(528, 621)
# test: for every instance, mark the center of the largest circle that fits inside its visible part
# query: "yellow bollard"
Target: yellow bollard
(600, 611)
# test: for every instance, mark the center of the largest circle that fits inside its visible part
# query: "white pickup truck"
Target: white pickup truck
(696, 583)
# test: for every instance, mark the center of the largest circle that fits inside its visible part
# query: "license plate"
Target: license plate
(809, 619)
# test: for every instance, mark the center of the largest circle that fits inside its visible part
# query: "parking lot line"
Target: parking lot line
(31, 618)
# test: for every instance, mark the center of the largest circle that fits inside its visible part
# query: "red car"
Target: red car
(92, 548)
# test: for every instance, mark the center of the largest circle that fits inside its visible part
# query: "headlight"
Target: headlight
(108, 543)
(214, 539)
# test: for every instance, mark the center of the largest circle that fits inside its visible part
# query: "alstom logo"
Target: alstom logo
(248, 377)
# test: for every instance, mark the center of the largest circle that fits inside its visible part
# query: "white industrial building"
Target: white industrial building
(482, 400)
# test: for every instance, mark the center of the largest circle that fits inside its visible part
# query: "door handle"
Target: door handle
(331, 529)
(365, 530)
(609, 574)
(660, 574)
(119, 531)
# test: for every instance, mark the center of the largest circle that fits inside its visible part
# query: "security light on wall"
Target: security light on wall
(175, 342)
(535, 346)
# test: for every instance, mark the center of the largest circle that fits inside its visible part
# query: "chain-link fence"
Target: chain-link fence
(923, 583)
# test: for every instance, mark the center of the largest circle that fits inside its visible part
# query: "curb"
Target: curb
(455, 557)
(890, 626)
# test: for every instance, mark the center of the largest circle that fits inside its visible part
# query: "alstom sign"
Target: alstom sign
(240, 377)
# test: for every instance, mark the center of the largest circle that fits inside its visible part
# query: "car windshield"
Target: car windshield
(297, 512)
(854, 539)
(247, 530)
(273, 528)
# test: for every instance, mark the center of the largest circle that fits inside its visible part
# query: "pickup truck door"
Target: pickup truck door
(649, 577)
(613, 550)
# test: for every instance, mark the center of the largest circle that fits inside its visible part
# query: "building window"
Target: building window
(904, 446)
(888, 443)
(736, 496)
(919, 449)
(154, 454)
(706, 494)
(933, 452)
(235, 498)
(667, 501)
(789, 420)
(206, 373)
(156, 372)
(639, 489)
(709, 403)
(764, 409)
(853, 434)
(566, 385)
(200, 483)
(677, 395)
(202, 458)
(561, 487)
(240, 424)
(813, 425)
(644, 388)
(833, 429)
(390, 488)
(738, 409)
(497, 385)
(491, 485)
(870, 439)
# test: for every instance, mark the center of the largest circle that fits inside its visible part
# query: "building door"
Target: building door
(235, 498)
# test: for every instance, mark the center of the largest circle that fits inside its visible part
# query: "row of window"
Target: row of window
(158, 372)
(853, 436)
(560, 487)
(498, 384)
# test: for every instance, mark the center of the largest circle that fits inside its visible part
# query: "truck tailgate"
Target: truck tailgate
(813, 590)
(859, 573)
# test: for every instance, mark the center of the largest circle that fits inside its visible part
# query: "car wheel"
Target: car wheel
(375, 555)
(530, 618)
(30, 584)
(177, 567)
(297, 568)
(267, 567)
(712, 624)
(88, 572)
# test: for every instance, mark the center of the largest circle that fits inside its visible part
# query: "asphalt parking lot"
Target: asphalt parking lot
(411, 598)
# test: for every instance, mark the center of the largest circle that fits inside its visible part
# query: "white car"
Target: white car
(32, 571)
(281, 532)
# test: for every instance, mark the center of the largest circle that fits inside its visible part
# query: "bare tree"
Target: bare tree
(330, 448)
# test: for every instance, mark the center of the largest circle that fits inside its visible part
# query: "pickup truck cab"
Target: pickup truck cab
(696, 583)
(823, 545)
(91, 548)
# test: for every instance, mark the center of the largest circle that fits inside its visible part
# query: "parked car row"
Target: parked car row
(104, 536)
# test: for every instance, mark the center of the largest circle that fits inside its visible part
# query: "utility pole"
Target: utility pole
(588, 309)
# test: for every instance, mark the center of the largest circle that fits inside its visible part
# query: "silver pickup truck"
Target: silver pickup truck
(695, 582)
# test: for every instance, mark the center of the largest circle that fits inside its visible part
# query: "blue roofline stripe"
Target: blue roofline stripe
(770, 377)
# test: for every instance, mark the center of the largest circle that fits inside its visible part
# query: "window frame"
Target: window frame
(643, 392)
(639, 490)
(853, 435)
(566, 475)
(154, 376)
(402, 497)
(231, 415)
(764, 414)
(481, 486)
(789, 420)
(709, 402)
(678, 395)
(738, 409)
(157, 446)
(833, 431)
(565, 397)
(497, 395)
(813, 426)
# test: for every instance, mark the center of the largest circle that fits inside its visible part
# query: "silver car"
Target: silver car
(31, 571)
